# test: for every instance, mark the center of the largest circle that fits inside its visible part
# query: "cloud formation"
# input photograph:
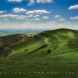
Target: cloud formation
(8, 15)
(74, 18)
(15, 0)
(38, 12)
(45, 17)
(31, 2)
(1, 12)
(19, 10)
(22, 15)
(40, 1)
(73, 7)
(32, 26)
(20, 18)
(59, 18)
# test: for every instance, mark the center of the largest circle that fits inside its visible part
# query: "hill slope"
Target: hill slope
(53, 42)
(49, 51)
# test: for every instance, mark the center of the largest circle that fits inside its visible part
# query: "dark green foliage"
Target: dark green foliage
(49, 51)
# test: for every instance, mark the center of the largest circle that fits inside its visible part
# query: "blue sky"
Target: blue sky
(34, 14)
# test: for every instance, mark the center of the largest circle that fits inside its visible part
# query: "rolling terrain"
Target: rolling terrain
(47, 53)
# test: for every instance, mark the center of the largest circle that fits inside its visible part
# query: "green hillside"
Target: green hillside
(50, 53)
(53, 42)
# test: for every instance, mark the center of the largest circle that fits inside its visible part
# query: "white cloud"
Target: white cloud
(57, 16)
(31, 2)
(24, 14)
(30, 13)
(40, 1)
(15, 0)
(19, 10)
(8, 15)
(45, 17)
(32, 25)
(74, 18)
(37, 19)
(61, 19)
(36, 16)
(1, 12)
(73, 7)
(38, 12)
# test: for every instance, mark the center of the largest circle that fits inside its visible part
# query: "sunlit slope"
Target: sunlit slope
(57, 42)
(60, 41)
(49, 51)
(51, 43)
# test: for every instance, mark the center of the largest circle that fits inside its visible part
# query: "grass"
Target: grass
(48, 57)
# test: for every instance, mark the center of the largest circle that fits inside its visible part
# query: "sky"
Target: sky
(38, 14)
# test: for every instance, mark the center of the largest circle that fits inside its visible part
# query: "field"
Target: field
(50, 54)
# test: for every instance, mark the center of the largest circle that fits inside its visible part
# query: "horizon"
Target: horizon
(31, 31)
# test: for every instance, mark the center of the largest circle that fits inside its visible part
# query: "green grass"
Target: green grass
(48, 56)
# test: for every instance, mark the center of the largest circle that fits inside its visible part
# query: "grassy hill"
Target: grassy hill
(50, 53)
(53, 42)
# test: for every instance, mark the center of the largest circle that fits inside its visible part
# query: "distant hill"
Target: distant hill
(9, 41)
